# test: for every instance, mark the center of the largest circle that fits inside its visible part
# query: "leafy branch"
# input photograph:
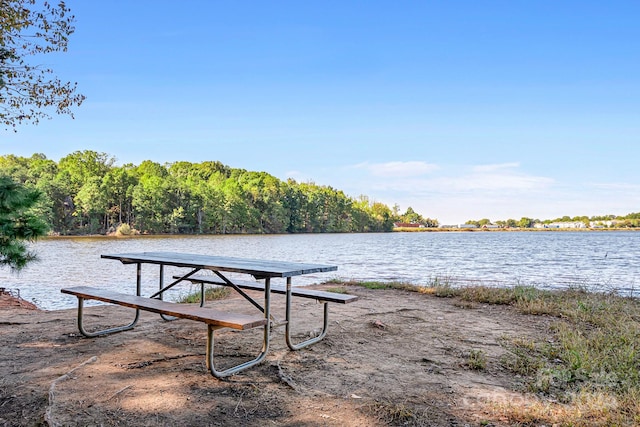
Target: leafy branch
(27, 91)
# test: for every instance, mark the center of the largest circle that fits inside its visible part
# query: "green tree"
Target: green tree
(91, 205)
(263, 194)
(293, 200)
(483, 222)
(117, 185)
(37, 172)
(27, 91)
(411, 216)
(382, 217)
(82, 165)
(432, 223)
(151, 198)
(15, 167)
(209, 216)
(81, 173)
(236, 214)
(17, 223)
(525, 222)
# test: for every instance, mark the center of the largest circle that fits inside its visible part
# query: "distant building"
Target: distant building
(407, 225)
(568, 224)
(602, 224)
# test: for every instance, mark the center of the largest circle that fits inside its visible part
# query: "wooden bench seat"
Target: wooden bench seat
(322, 296)
(214, 319)
(186, 311)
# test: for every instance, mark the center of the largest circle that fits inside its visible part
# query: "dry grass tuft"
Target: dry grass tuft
(392, 413)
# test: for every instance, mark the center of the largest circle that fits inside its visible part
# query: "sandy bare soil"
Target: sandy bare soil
(391, 358)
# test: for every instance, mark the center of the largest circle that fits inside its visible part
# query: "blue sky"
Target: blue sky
(459, 109)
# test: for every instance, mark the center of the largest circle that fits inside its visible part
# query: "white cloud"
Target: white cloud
(409, 177)
(618, 186)
(497, 182)
(495, 167)
(398, 169)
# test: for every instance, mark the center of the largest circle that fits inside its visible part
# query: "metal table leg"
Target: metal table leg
(265, 342)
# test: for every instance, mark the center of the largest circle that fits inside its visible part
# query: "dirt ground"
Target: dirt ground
(390, 358)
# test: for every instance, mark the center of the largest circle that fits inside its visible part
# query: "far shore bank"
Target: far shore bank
(395, 230)
(511, 229)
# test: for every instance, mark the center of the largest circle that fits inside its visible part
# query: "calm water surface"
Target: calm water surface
(599, 260)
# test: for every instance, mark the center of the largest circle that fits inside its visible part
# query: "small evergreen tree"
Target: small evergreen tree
(18, 223)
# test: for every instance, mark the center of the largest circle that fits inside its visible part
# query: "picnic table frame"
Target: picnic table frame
(220, 266)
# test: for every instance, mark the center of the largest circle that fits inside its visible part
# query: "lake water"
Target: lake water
(597, 260)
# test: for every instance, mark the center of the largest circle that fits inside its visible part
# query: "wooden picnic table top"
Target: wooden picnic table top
(258, 268)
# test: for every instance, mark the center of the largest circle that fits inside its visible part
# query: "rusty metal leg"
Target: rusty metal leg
(325, 324)
(84, 332)
(265, 342)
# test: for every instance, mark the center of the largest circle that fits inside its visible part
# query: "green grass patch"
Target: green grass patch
(210, 294)
(476, 360)
(591, 357)
(374, 284)
(589, 363)
(338, 290)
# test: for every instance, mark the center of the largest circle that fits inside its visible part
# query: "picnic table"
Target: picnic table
(217, 269)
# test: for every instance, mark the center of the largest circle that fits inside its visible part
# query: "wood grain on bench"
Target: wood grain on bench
(186, 311)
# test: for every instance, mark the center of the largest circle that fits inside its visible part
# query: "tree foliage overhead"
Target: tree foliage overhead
(29, 28)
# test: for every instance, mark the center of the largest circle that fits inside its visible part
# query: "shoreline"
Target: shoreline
(441, 358)
(508, 230)
(8, 300)
(395, 230)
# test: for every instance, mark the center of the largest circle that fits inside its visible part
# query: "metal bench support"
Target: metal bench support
(325, 323)
(88, 334)
(131, 325)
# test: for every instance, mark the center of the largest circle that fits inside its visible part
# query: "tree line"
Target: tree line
(86, 193)
(631, 220)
